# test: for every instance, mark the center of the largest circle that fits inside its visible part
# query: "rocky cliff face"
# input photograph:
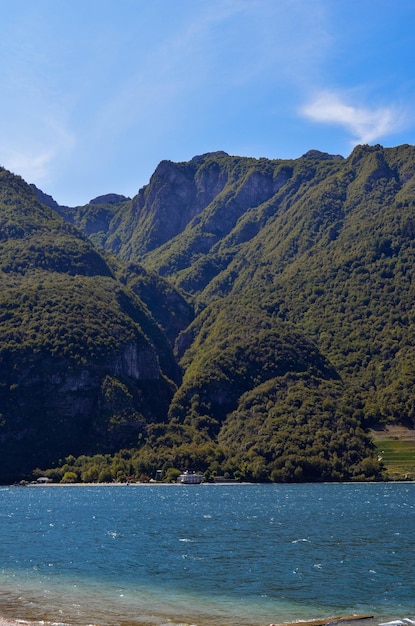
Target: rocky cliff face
(136, 364)
(177, 192)
(190, 209)
(54, 403)
(55, 410)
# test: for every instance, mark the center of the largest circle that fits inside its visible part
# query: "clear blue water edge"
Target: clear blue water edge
(207, 554)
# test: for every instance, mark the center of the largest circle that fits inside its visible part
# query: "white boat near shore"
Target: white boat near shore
(190, 478)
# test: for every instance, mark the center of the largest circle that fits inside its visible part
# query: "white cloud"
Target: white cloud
(365, 124)
(33, 167)
(34, 154)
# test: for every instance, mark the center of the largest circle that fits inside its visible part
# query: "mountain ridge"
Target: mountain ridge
(312, 258)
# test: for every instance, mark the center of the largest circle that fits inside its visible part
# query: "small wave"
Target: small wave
(406, 621)
(113, 534)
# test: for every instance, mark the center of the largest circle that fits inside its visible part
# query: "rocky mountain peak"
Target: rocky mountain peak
(109, 198)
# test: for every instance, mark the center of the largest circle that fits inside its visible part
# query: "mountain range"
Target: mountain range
(238, 316)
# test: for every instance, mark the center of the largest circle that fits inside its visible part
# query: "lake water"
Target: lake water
(217, 555)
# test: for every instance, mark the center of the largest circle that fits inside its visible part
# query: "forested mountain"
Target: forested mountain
(84, 367)
(265, 309)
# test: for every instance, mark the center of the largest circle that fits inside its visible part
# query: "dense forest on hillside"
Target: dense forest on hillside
(238, 316)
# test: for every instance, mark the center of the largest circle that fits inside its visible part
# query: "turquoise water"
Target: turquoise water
(207, 554)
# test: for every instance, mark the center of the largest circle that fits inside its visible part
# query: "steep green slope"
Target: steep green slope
(79, 353)
(274, 403)
(332, 252)
(299, 427)
(348, 286)
(169, 308)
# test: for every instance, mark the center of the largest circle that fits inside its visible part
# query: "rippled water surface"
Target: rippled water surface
(207, 554)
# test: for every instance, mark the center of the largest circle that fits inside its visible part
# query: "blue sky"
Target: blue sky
(95, 93)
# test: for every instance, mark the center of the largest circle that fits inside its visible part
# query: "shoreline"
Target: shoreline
(327, 621)
(218, 483)
(114, 484)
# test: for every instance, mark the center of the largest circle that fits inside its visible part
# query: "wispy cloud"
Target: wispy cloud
(32, 166)
(205, 58)
(35, 156)
(364, 124)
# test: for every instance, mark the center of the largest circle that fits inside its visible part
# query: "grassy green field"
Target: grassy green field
(398, 457)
